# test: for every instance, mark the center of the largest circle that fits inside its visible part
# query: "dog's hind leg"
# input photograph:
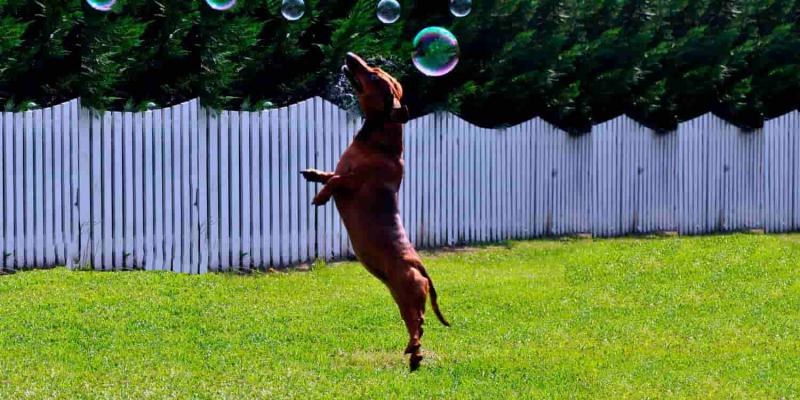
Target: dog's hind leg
(411, 298)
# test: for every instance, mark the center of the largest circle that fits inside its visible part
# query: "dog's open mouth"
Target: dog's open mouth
(353, 81)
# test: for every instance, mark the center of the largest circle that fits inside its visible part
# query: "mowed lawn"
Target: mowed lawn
(709, 317)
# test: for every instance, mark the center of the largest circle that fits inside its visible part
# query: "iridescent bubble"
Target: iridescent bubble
(460, 8)
(435, 51)
(388, 11)
(293, 9)
(101, 5)
(221, 5)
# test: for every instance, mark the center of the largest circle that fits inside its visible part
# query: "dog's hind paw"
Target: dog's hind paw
(414, 362)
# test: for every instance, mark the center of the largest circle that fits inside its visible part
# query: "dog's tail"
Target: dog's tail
(434, 302)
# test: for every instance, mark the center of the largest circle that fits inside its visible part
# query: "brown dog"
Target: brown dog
(365, 187)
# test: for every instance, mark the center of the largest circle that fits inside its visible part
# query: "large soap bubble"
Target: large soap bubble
(101, 5)
(221, 5)
(293, 9)
(435, 51)
(388, 11)
(460, 8)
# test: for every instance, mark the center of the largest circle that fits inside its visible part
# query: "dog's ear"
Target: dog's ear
(400, 115)
(396, 111)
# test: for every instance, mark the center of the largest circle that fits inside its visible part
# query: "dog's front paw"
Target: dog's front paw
(311, 175)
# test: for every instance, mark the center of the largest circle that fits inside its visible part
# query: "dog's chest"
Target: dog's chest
(371, 166)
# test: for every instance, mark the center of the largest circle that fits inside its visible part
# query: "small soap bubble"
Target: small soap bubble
(101, 5)
(388, 11)
(293, 10)
(435, 51)
(221, 5)
(460, 8)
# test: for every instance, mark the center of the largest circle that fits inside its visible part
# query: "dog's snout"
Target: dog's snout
(354, 62)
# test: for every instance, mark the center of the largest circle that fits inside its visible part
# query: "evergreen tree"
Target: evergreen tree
(141, 52)
(573, 62)
(39, 53)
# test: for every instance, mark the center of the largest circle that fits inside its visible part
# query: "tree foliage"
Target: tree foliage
(39, 57)
(573, 62)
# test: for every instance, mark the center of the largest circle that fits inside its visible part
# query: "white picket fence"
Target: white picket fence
(38, 187)
(189, 189)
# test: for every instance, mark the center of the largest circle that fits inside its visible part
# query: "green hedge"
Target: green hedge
(574, 62)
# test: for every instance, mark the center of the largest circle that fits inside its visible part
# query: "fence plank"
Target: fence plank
(245, 256)
(73, 172)
(82, 248)
(31, 210)
(137, 205)
(254, 178)
(488, 213)
(35, 201)
(48, 191)
(188, 216)
(19, 192)
(213, 223)
(276, 226)
(161, 154)
(115, 179)
(317, 134)
(149, 217)
(460, 190)
(466, 185)
(128, 190)
(170, 191)
(430, 181)
(266, 183)
(235, 213)
(302, 186)
(285, 227)
(294, 193)
(449, 206)
(308, 160)
(4, 235)
(792, 125)
(199, 228)
(224, 179)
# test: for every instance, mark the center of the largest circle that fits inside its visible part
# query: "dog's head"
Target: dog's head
(379, 94)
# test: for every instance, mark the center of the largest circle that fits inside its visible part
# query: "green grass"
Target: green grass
(711, 317)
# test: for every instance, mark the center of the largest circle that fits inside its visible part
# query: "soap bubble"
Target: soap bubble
(388, 11)
(435, 51)
(460, 8)
(293, 9)
(101, 5)
(221, 5)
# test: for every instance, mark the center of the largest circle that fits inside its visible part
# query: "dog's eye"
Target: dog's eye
(373, 77)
